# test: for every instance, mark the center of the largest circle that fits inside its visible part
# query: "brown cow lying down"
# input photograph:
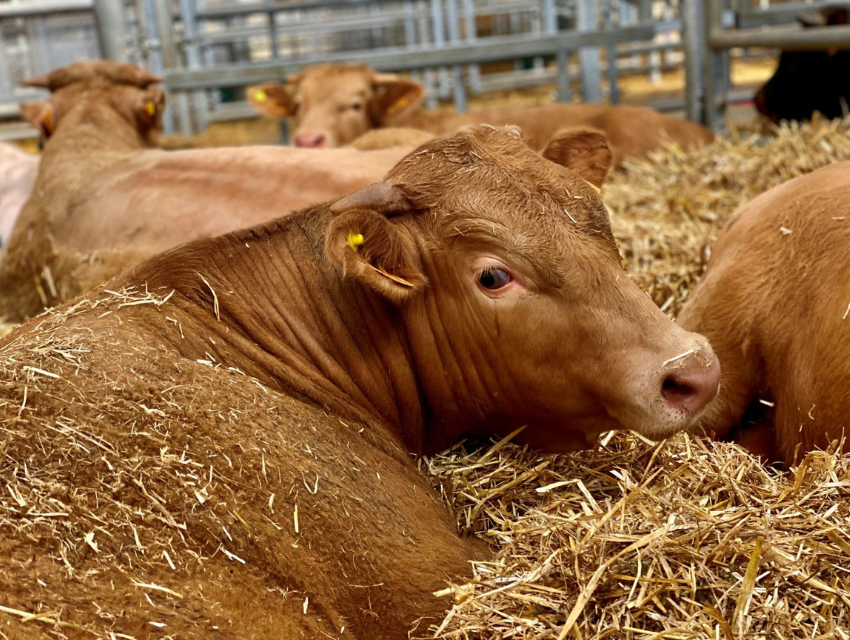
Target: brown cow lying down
(17, 175)
(237, 427)
(333, 105)
(774, 304)
(104, 200)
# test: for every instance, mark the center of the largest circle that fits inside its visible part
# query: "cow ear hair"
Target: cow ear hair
(395, 98)
(584, 151)
(271, 99)
(377, 251)
(41, 115)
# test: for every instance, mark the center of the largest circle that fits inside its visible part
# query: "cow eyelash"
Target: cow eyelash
(493, 278)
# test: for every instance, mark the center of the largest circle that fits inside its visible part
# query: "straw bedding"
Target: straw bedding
(634, 540)
(686, 539)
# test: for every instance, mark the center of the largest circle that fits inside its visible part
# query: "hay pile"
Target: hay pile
(686, 539)
(667, 210)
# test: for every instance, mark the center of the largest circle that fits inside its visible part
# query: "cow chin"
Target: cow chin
(658, 421)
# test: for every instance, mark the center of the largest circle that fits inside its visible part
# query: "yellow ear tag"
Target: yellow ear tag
(260, 96)
(150, 107)
(355, 240)
(400, 104)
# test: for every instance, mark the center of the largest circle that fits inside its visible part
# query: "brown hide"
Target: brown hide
(103, 200)
(773, 303)
(322, 101)
(301, 364)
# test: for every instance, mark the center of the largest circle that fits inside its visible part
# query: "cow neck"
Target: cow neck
(287, 316)
(89, 128)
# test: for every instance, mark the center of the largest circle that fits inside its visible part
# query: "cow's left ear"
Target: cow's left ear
(395, 98)
(41, 115)
(149, 108)
(584, 151)
(371, 247)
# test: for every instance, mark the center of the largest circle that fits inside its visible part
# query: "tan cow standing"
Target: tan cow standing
(104, 199)
(774, 303)
(225, 443)
(333, 105)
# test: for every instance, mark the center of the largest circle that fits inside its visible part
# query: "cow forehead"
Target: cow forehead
(335, 84)
(486, 162)
(495, 177)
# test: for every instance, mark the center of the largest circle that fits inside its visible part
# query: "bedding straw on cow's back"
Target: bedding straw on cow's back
(684, 539)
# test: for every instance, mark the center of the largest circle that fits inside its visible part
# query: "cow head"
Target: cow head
(506, 275)
(809, 81)
(124, 89)
(333, 105)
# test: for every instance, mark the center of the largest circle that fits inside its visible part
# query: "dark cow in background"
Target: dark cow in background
(809, 81)
(775, 303)
(287, 372)
(334, 104)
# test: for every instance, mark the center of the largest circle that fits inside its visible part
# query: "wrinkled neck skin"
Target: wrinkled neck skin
(288, 317)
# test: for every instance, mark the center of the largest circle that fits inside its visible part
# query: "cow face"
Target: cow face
(809, 81)
(505, 272)
(333, 105)
(124, 88)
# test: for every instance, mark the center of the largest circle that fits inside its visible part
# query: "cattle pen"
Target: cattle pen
(147, 493)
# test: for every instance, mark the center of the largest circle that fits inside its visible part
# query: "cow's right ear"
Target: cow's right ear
(41, 115)
(584, 151)
(271, 99)
(371, 247)
(395, 98)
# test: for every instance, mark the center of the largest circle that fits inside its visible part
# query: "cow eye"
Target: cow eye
(355, 106)
(494, 278)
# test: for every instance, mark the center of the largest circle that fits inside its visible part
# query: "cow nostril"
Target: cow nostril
(677, 392)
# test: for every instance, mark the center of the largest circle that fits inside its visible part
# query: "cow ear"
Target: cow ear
(395, 98)
(584, 151)
(376, 250)
(149, 109)
(271, 99)
(41, 115)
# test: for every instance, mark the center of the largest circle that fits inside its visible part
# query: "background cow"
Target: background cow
(333, 105)
(774, 304)
(18, 171)
(809, 81)
(287, 373)
(104, 199)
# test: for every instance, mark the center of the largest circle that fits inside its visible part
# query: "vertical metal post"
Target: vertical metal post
(695, 46)
(439, 27)
(715, 72)
(193, 59)
(111, 29)
(152, 37)
(170, 57)
(6, 89)
(589, 56)
(469, 16)
(564, 91)
(453, 19)
(273, 36)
